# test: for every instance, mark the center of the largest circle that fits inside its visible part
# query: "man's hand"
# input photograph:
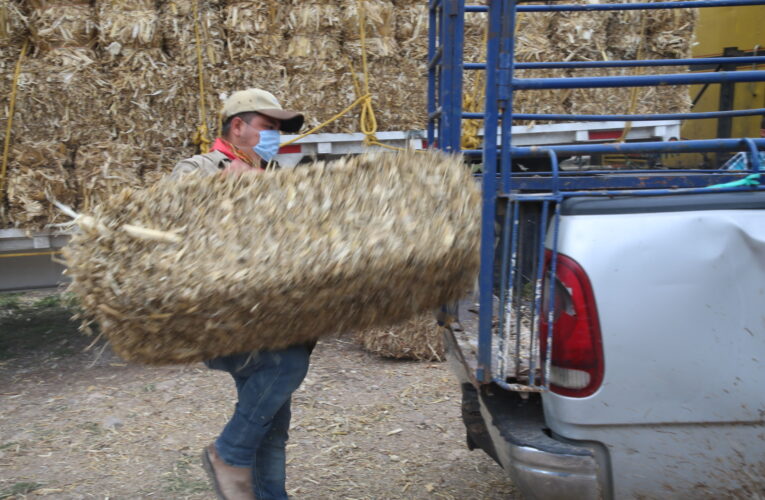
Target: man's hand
(238, 167)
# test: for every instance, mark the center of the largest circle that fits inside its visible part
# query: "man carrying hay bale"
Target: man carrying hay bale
(249, 139)
(247, 460)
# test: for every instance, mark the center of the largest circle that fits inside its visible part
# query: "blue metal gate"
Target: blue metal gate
(514, 340)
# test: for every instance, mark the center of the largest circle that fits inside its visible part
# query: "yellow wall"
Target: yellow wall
(717, 28)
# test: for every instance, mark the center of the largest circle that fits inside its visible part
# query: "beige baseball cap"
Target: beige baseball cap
(263, 102)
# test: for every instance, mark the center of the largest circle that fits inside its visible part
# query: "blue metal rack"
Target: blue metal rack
(507, 195)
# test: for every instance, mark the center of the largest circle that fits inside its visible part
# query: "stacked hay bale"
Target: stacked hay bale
(277, 258)
(137, 69)
(60, 82)
(39, 171)
(255, 42)
(397, 82)
(315, 38)
(419, 339)
(190, 105)
(13, 32)
(646, 34)
(178, 21)
(102, 72)
(105, 168)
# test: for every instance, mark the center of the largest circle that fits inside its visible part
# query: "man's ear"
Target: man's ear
(236, 126)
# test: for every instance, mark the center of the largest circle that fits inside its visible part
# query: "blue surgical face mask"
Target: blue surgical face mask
(268, 145)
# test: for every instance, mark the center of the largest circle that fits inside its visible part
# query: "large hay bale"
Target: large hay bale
(177, 20)
(39, 171)
(420, 339)
(228, 264)
(63, 26)
(412, 30)
(130, 24)
(325, 94)
(380, 26)
(62, 96)
(400, 91)
(254, 29)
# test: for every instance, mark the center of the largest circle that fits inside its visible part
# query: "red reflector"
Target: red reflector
(292, 148)
(603, 135)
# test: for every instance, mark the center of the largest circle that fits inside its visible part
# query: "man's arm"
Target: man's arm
(206, 164)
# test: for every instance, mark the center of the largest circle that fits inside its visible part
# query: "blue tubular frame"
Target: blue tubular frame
(701, 61)
(546, 190)
(691, 4)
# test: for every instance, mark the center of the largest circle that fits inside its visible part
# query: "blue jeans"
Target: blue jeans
(256, 436)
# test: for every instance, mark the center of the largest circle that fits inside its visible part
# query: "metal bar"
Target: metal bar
(619, 181)
(435, 58)
(551, 305)
(458, 11)
(754, 157)
(690, 4)
(506, 61)
(432, 41)
(537, 290)
(489, 153)
(517, 285)
(696, 146)
(503, 290)
(628, 64)
(444, 72)
(634, 118)
(638, 81)
(643, 192)
(727, 95)
(436, 114)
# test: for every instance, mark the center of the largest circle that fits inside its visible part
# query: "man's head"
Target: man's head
(248, 112)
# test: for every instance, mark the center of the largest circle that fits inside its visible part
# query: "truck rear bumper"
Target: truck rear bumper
(512, 430)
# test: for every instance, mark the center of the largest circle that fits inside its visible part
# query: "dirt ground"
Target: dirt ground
(78, 424)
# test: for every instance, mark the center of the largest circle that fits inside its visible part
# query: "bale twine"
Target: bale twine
(420, 339)
(39, 171)
(207, 266)
(380, 24)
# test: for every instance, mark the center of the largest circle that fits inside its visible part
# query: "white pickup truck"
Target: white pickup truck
(657, 369)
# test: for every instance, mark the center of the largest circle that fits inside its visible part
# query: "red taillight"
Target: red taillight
(576, 363)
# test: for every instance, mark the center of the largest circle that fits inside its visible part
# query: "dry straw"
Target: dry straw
(420, 339)
(39, 172)
(206, 266)
(64, 26)
(254, 29)
(177, 21)
(104, 169)
(62, 97)
(379, 23)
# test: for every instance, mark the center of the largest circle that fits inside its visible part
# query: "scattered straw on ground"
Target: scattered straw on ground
(419, 338)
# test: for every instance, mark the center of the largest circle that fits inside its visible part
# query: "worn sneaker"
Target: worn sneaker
(230, 483)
